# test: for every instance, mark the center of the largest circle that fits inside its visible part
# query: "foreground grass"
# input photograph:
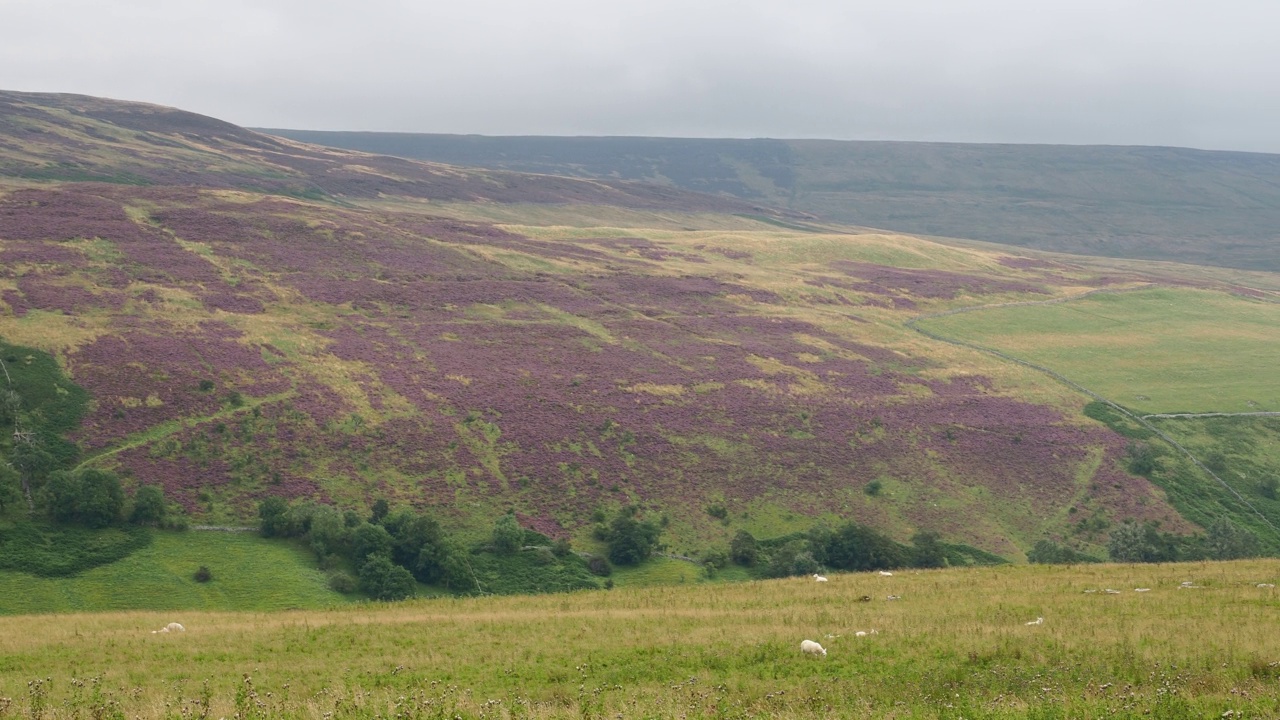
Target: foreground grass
(955, 645)
(1154, 351)
(249, 573)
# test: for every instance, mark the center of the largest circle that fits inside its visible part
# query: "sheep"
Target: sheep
(819, 578)
(1266, 585)
(1037, 621)
(885, 573)
(893, 597)
(1142, 589)
(809, 647)
(1109, 591)
(864, 633)
(171, 627)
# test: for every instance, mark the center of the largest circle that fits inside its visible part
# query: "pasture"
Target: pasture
(249, 573)
(957, 644)
(1154, 351)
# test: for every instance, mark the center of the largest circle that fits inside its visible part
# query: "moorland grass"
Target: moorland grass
(955, 645)
(1154, 351)
(249, 573)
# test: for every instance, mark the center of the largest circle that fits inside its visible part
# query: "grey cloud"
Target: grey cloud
(1122, 72)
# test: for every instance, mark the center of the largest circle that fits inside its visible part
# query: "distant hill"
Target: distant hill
(1154, 203)
(255, 316)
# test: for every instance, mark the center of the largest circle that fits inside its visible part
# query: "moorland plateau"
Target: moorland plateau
(250, 316)
(1152, 203)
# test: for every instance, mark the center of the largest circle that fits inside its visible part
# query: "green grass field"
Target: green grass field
(957, 644)
(249, 573)
(1155, 351)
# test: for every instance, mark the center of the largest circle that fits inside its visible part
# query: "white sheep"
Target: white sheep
(1037, 621)
(885, 573)
(171, 627)
(819, 578)
(1142, 589)
(809, 647)
(1266, 585)
(893, 597)
(864, 633)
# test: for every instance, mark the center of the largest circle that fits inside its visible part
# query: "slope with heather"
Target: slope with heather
(239, 343)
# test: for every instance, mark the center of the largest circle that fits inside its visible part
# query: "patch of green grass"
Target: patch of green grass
(51, 551)
(1154, 351)
(658, 571)
(249, 573)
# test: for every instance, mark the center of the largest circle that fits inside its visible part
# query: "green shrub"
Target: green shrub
(382, 579)
(507, 535)
(148, 505)
(743, 549)
(342, 582)
(1047, 552)
(631, 541)
(561, 548)
(599, 566)
(203, 574)
(873, 488)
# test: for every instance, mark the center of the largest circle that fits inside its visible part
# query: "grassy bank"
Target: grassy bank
(249, 573)
(955, 645)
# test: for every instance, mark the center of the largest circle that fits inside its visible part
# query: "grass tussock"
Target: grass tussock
(957, 644)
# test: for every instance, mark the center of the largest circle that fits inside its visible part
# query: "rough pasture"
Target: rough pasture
(956, 644)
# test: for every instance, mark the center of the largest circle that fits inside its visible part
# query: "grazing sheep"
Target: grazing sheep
(885, 573)
(1266, 585)
(864, 633)
(1142, 589)
(175, 627)
(893, 597)
(819, 578)
(809, 647)
(1037, 621)
(1109, 591)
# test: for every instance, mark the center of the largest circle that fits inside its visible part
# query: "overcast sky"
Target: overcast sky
(1158, 72)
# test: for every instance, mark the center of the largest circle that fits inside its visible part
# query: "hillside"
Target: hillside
(476, 341)
(1153, 203)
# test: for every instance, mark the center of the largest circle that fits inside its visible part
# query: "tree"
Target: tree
(857, 547)
(743, 549)
(379, 510)
(33, 463)
(329, 533)
(383, 579)
(10, 406)
(101, 498)
(368, 541)
(630, 540)
(148, 505)
(9, 485)
(508, 536)
(927, 550)
(1131, 542)
(271, 511)
(61, 493)
(1228, 542)
(782, 561)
